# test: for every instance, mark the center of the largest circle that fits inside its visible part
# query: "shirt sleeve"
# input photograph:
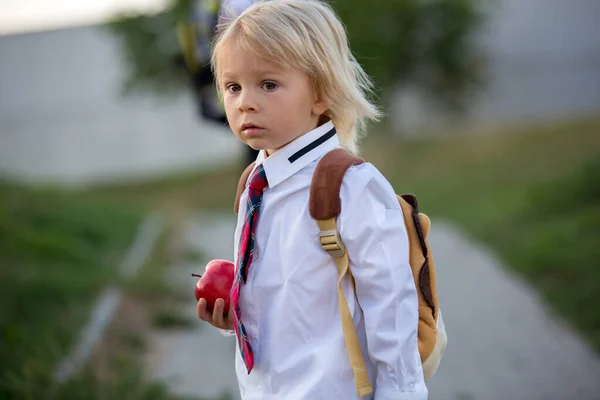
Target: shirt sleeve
(372, 228)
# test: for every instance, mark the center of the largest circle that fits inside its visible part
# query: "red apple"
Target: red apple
(216, 283)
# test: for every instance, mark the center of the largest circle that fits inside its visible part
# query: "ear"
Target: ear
(319, 106)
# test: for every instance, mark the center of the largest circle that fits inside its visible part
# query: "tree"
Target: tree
(427, 43)
(151, 50)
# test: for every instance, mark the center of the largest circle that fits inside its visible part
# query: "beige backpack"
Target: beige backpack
(324, 207)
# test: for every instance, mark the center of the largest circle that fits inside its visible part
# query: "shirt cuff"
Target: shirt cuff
(390, 394)
(226, 332)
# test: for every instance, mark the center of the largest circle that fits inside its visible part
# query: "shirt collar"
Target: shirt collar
(296, 155)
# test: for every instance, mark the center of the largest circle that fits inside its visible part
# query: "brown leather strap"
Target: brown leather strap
(242, 186)
(412, 200)
(324, 202)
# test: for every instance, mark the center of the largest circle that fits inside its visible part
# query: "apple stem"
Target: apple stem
(196, 275)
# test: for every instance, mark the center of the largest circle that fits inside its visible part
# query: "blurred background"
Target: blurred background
(118, 175)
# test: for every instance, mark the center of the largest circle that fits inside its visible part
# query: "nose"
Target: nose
(247, 101)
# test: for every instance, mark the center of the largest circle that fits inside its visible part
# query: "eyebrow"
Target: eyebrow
(226, 75)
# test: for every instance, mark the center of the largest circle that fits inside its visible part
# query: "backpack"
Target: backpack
(324, 207)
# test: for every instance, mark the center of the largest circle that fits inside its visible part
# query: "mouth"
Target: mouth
(251, 129)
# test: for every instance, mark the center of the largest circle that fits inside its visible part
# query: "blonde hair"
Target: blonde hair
(307, 35)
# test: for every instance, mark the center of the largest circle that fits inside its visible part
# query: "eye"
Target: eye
(269, 86)
(233, 87)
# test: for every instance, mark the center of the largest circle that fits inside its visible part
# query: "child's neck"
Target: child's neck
(322, 120)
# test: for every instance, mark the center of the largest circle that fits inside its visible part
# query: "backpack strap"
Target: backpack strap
(327, 181)
(325, 206)
(241, 186)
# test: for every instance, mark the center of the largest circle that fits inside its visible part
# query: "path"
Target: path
(502, 342)
(198, 362)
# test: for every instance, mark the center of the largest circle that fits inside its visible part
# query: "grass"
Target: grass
(56, 254)
(214, 190)
(58, 251)
(532, 194)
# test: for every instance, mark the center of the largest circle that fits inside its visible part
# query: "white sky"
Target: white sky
(18, 16)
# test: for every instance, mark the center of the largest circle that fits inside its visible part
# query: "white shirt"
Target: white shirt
(289, 304)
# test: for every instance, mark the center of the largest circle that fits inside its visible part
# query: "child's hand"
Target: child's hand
(216, 318)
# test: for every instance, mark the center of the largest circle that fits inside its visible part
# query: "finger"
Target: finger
(217, 315)
(229, 320)
(203, 313)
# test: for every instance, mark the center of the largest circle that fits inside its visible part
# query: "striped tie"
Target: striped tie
(257, 185)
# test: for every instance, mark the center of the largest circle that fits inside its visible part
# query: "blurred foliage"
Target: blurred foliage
(425, 43)
(428, 44)
(151, 50)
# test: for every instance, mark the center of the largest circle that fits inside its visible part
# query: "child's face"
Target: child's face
(267, 106)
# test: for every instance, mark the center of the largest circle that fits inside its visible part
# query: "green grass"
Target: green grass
(213, 190)
(57, 252)
(532, 194)
(129, 383)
